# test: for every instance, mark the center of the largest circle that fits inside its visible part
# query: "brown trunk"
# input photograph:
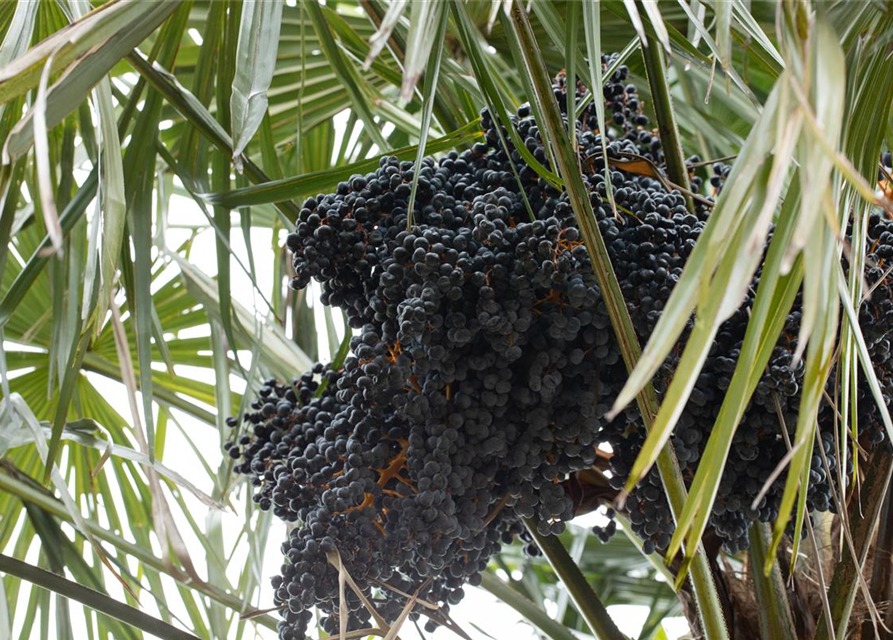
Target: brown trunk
(882, 573)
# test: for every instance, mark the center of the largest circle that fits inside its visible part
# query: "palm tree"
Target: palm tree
(154, 156)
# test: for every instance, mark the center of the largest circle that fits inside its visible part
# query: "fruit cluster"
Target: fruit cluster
(483, 363)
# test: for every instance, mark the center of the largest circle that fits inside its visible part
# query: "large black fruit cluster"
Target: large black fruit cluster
(483, 363)
(344, 475)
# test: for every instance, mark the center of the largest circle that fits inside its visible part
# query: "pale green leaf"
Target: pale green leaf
(75, 84)
(431, 76)
(592, 27)
(425, 25)
(380, 38)
(255, 64)
(70, 43)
